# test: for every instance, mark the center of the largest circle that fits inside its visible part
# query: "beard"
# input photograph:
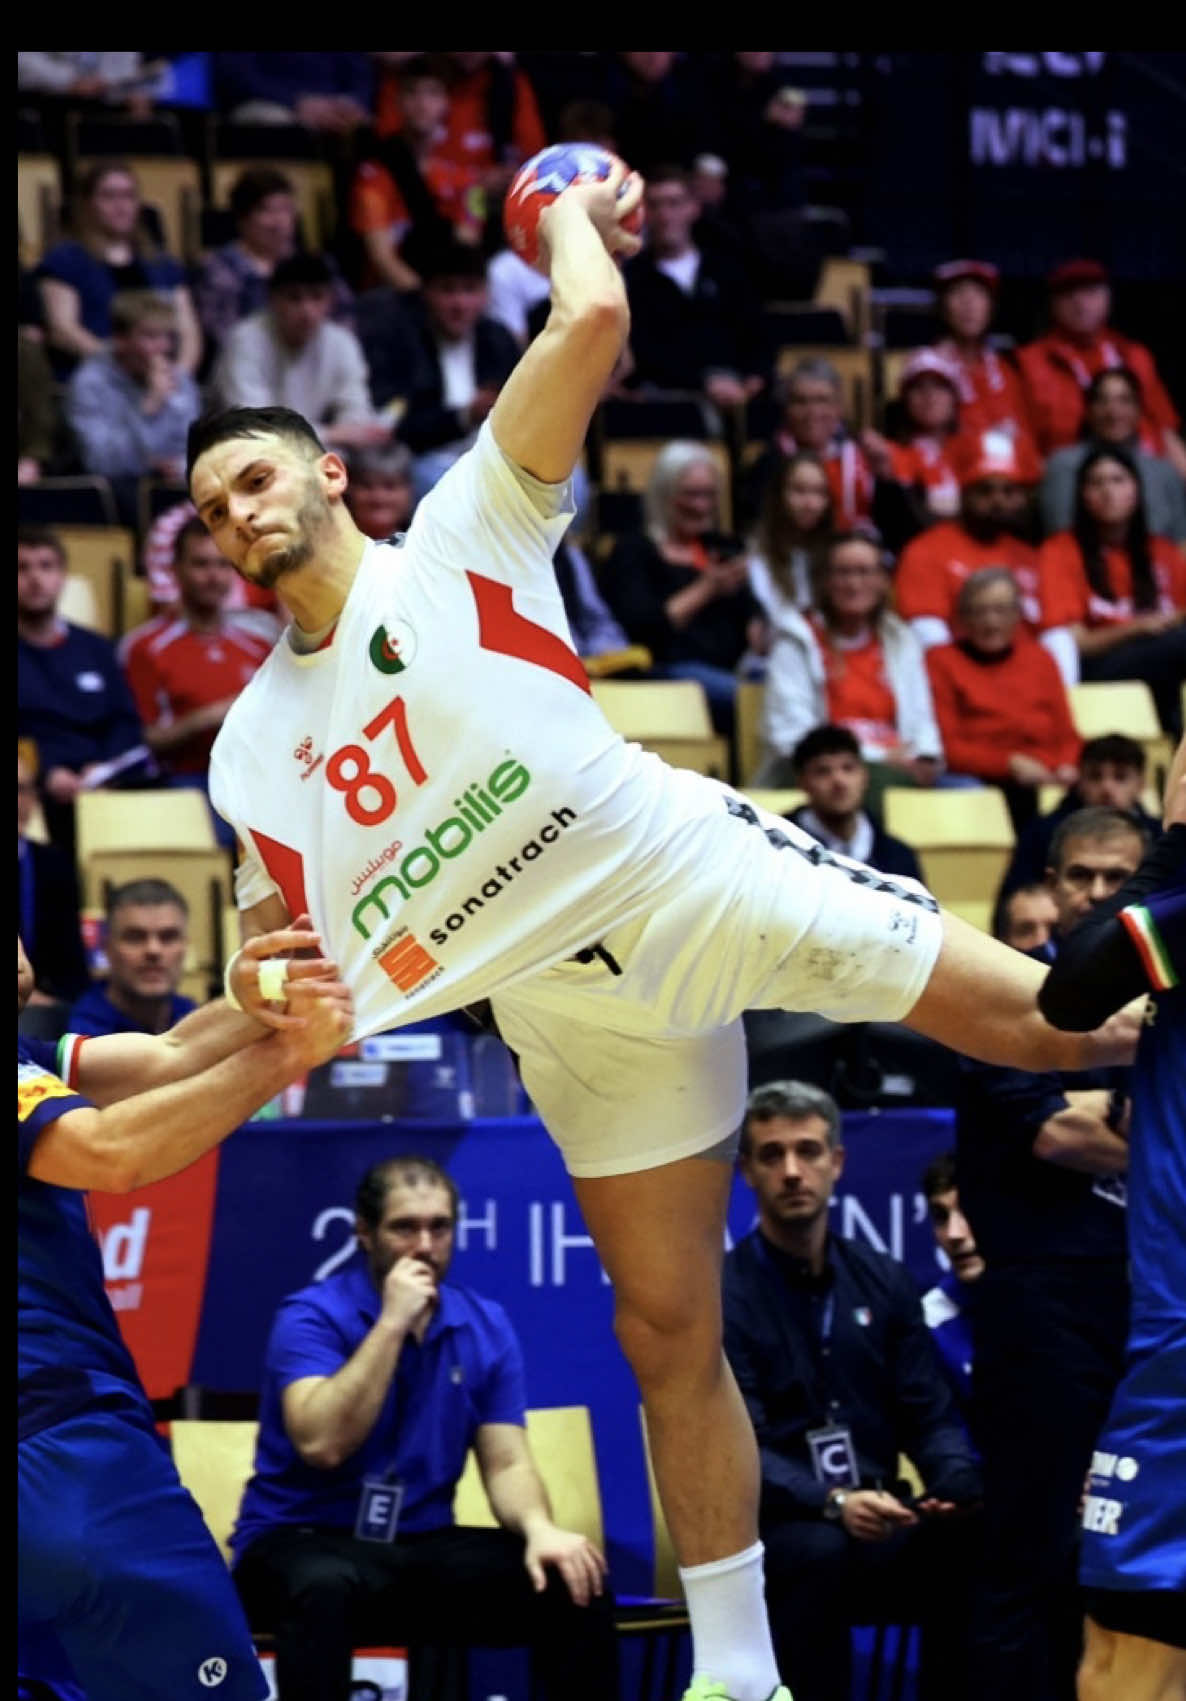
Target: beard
(313, 523)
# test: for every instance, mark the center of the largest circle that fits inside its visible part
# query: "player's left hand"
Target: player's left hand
(581, 1565)
(245, 973)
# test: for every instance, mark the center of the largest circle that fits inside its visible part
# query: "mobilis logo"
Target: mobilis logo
(476, 808)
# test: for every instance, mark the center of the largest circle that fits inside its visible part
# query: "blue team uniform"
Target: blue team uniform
(1134, 1521)
(117, 1572)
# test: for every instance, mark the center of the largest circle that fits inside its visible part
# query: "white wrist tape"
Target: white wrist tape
(273, 973)
(227, 989)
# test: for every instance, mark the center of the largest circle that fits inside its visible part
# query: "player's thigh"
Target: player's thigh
(115, 1554)
(619, 1103)
(1119, 1667)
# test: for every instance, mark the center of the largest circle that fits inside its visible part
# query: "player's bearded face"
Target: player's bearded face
(294, 545)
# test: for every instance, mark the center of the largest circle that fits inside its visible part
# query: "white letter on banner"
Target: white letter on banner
(488, 1225)
(560, 1241)
(855, 1217)
(123, 1246)
(535, 1240)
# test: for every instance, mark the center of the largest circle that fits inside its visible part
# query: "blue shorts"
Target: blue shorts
(115, 1560)
(1134, 1516)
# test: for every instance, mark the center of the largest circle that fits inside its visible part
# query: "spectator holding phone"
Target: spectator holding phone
(837, 1367)
(681, 588)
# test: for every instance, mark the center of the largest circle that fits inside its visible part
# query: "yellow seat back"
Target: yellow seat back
(964, 840)
(214, 1460)
(561, 1442)
(313, 187)
(627, 464)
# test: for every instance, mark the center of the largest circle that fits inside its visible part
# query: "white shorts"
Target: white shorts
(640, 1067)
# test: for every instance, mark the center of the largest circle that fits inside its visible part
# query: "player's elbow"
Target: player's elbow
(602, 320)
(320, 1453)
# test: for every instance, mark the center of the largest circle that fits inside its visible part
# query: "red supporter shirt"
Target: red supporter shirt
(173, 670)
(992, 397)
(1056, 372)
(989, 711)
(1067, 598)
(858, 688)
(849, 475)
(377, 204)
(467, 139)
(928, 463)
(935, 564)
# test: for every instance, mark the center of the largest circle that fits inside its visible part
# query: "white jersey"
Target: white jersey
(436, 785)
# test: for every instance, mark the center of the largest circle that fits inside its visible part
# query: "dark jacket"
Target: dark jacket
(881, 1376)
(890, 855)
(402, 360)
(678, 339)
(1026, 1209)
(637, 581)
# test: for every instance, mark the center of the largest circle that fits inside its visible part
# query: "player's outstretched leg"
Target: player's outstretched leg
(660, 1233)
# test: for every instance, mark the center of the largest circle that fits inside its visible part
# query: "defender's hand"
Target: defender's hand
(244, 975)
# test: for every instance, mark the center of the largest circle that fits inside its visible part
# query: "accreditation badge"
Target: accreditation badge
(833, 1456)
(377, 1518)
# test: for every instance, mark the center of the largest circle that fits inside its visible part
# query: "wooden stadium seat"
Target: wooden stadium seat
(39, 204)
(1099, 707)
(561, 1439)
(777, 802)
(668, 716)
(201, 876)
(142, 821)
(964, 839)
(747, 728)
(99, 559)
(846, 285)
(173, 187)
(312, 182)
(634, 658)
(214, 1459)
(627, 463)
(136, 602)
(855, 367)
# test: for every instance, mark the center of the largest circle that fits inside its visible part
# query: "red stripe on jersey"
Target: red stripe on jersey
(508, 633)
(287, 868)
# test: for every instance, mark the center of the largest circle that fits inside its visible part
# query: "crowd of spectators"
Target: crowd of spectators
(917, 589)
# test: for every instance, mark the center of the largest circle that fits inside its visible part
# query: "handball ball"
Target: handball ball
(537, 184)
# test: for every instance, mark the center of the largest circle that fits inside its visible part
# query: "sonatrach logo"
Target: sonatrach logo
(393, 646)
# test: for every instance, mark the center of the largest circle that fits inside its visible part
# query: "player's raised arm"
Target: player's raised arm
(543, 411)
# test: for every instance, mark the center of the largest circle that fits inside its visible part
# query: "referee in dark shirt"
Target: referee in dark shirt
(1041, 1162)
(827, 1341)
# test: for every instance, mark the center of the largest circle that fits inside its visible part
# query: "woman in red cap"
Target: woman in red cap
(1058, 367)
(920, 458)
(992, 397)
(1121, 592)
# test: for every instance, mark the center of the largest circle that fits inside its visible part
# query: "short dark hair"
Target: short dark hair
(1099, 823)
(939, 1175)
(1114, 747)
(1000, 913)
(423, 68)
(228, 423)
(255, 185)
(191, 529)
(1126, 373)
(824, 741)
(41, 537)
(412, 1171)
(449, 258)
(144, 892)
(669, 172)
(796, 1100)
(301, 271)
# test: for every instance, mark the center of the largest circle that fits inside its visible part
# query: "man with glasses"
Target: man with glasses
(377, 1381)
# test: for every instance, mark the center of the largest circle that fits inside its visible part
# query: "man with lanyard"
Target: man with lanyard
(827, 1340)
(1133, 1556)
(1040, 1164)
(120, 1583)
(377, 1382)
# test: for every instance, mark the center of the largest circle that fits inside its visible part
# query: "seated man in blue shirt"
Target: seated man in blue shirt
(73, 701)
(377, 1382)
(147, 938)
(120, 1584)
(827, 1341)
(944, 1307)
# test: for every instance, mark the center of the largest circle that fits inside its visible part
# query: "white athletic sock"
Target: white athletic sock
(730, 1630)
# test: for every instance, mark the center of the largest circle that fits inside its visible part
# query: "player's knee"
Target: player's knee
(665, 1331)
